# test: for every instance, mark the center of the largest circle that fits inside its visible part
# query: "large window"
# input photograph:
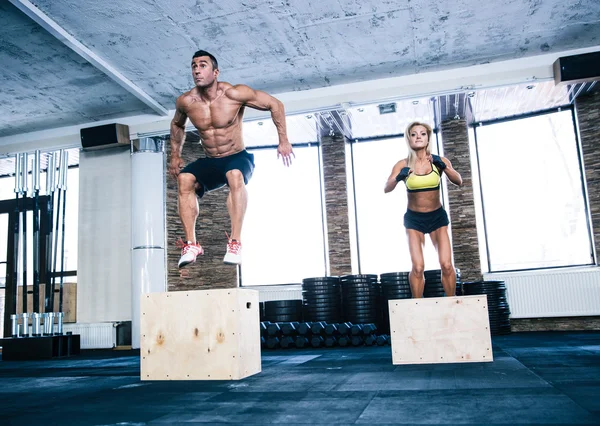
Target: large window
(283, 229)
(379, 218)
(534, 210)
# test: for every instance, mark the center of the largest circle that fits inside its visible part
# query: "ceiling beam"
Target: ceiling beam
(68, 40)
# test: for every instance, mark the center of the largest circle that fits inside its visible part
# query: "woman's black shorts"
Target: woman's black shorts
(210, 171)
(426, 222)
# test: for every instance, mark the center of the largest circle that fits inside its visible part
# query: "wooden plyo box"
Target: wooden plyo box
(440, 330)
(200, 335)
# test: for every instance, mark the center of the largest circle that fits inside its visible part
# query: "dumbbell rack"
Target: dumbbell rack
(40, 347)
(299, 335)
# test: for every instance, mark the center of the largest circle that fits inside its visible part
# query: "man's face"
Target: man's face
(202, 71)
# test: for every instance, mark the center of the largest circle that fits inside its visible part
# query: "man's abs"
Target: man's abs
(222, 142)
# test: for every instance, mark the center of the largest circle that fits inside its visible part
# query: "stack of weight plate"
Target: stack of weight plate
(459, 289)
(433, 284)
(360, 298)
(498, 308)
(321, 298)
(283, 310)
(394, 286)
(434, 287)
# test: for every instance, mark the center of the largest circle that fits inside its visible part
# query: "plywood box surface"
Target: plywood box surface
(200, 335)
(440, 330)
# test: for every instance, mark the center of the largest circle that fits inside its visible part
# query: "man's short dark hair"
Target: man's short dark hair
(200, 53)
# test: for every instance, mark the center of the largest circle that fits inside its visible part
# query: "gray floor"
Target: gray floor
(536, 378)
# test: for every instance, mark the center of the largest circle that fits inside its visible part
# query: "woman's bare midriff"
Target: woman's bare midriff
(424, 202)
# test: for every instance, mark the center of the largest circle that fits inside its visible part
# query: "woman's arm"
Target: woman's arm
(391, 183)
(453, 175)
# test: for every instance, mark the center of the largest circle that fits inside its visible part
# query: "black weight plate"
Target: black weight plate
(321, 294)
(283, 311)
(361, 298)
(364, 294)
(396, 291)
(325, 318)
(361, 307)
(328, 278)
(358, 277)
(282, 303)
(321, 305)
(394, 280)
(492, 292)
(309, 314)
(394, 274)
(321, 288)
(362, 313)
(361, 319)
(284, 318)
(477, 287)
(330, 300)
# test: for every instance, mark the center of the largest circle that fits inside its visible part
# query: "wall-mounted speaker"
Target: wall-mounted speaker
(106, 136)
(577, 68)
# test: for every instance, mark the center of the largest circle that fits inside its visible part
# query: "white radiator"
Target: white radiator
(552, 293)
(100, 335)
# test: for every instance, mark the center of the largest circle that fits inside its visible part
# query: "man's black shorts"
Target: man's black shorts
(426, 222)
(210, 171)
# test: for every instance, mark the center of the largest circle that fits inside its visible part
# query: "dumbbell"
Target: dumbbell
(369, 329)
(317, 328)
(370, 340)
(382, 340)
(272, 342)
(356, 329)
(344, 340)
(330, 341)
(303, 328)
(357, 340)
(262, 341)
(301, 341)
(286, 342)
(344, 328)
(273, 329)
(317, 341)
(288, 328)
(263, 327)
(331, 329)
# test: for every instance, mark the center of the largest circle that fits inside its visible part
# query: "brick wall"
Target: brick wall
(336, 203)
(588, 116)
(209, 271)
(462, 203)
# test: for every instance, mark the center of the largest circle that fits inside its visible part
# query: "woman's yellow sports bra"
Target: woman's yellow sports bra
(428, 182)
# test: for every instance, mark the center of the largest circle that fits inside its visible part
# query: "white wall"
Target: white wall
(104, 252)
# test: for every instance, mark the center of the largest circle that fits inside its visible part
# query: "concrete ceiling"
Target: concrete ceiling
(274, 45)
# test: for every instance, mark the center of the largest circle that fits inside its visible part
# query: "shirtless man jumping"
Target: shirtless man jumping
(216, 109)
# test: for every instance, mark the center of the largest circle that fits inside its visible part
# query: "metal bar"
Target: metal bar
(23, 217)
(36, 229)
(54, 254)
(50, 187)
(16, 234)
(64, 161)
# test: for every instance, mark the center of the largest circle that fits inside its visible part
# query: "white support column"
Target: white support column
(148, 226)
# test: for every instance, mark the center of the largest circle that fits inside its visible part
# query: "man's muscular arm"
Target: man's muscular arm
(177, 138)
(264, 102)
